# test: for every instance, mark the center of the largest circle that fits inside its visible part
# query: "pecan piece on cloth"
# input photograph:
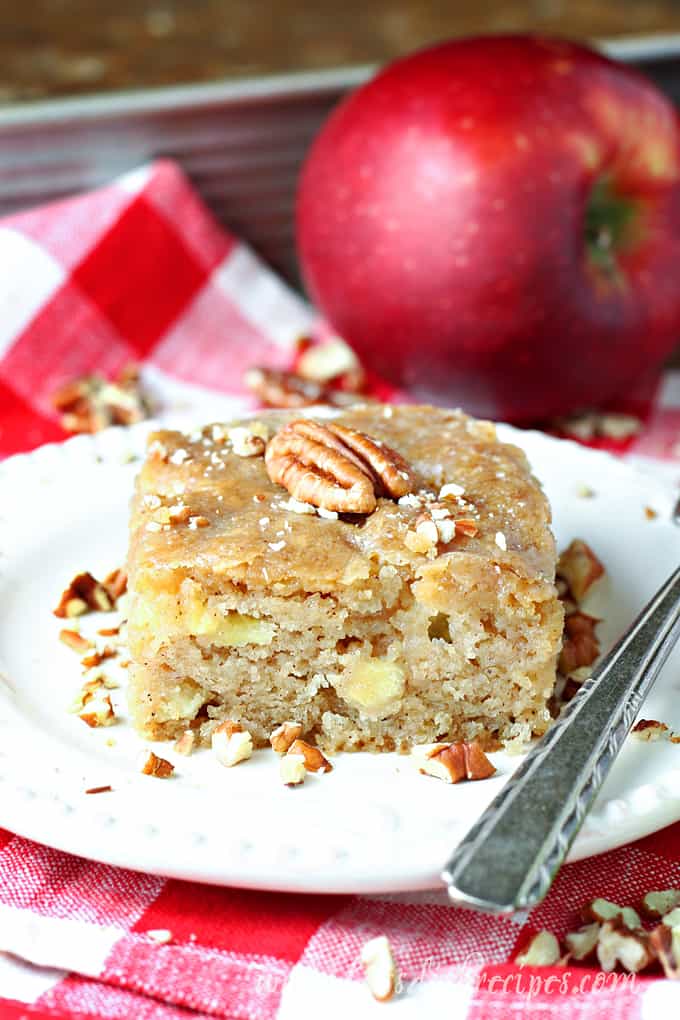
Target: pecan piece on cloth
(91, 403)
(276, 388)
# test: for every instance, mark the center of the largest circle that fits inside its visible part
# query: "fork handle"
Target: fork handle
(509, 858)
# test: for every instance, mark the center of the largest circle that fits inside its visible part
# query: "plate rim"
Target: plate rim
(117, 441)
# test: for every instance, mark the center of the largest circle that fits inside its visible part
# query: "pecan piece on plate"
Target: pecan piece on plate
(284, 735)
(116, 583)
(84, 593)
(580, 646)
(580, 568)
(314, 760)
(453, 762)
(335, 468)
(152, 765)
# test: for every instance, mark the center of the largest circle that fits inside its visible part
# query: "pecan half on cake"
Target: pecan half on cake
(383, 577)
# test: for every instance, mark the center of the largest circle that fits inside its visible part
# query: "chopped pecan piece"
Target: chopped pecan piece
(335, 468)
(198, 521)
(185, 744)
(593, 424)
(231, 744)
(581, 943)
(290, 390)
(580, 568)
(650, 729)
(434, 526)
(109, 631)
(453, 762)
(604, 910)
(161, 768)
(467, 527)
(98, 711)
(332, 360)
(179, 514)
(284, 735)
(315, 761)
(477, 765)
(618, 944)
(664, 943)
(292, 769)
(84, 593)
(656, 904)
(542, 951)
(75, 641)
(96, 658)
(246, 441)
(93, 690)
(380, 969)
(91, 403)
(116, 583)
(580, 646)
(572, 685)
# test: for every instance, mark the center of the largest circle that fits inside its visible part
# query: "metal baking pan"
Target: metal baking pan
(241, 142)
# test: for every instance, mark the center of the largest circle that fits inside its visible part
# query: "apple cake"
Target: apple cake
(382, 576)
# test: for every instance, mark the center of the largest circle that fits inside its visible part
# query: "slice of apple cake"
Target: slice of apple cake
(383, 577)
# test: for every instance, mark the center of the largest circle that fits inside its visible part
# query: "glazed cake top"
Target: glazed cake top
(203, 511)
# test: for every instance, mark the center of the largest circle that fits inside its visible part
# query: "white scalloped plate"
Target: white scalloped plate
(373, 824)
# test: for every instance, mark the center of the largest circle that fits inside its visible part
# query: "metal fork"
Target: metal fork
(509, 858)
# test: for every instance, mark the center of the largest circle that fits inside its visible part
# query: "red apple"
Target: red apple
(495, 223)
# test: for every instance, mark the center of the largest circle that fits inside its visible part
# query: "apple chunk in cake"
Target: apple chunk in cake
(430, 615)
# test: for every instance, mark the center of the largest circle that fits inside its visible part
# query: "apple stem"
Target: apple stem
(609, 218)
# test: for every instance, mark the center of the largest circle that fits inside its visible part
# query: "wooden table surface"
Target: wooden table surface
(67, 47)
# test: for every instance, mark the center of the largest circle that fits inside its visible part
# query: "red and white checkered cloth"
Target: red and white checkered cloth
(139, 271)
